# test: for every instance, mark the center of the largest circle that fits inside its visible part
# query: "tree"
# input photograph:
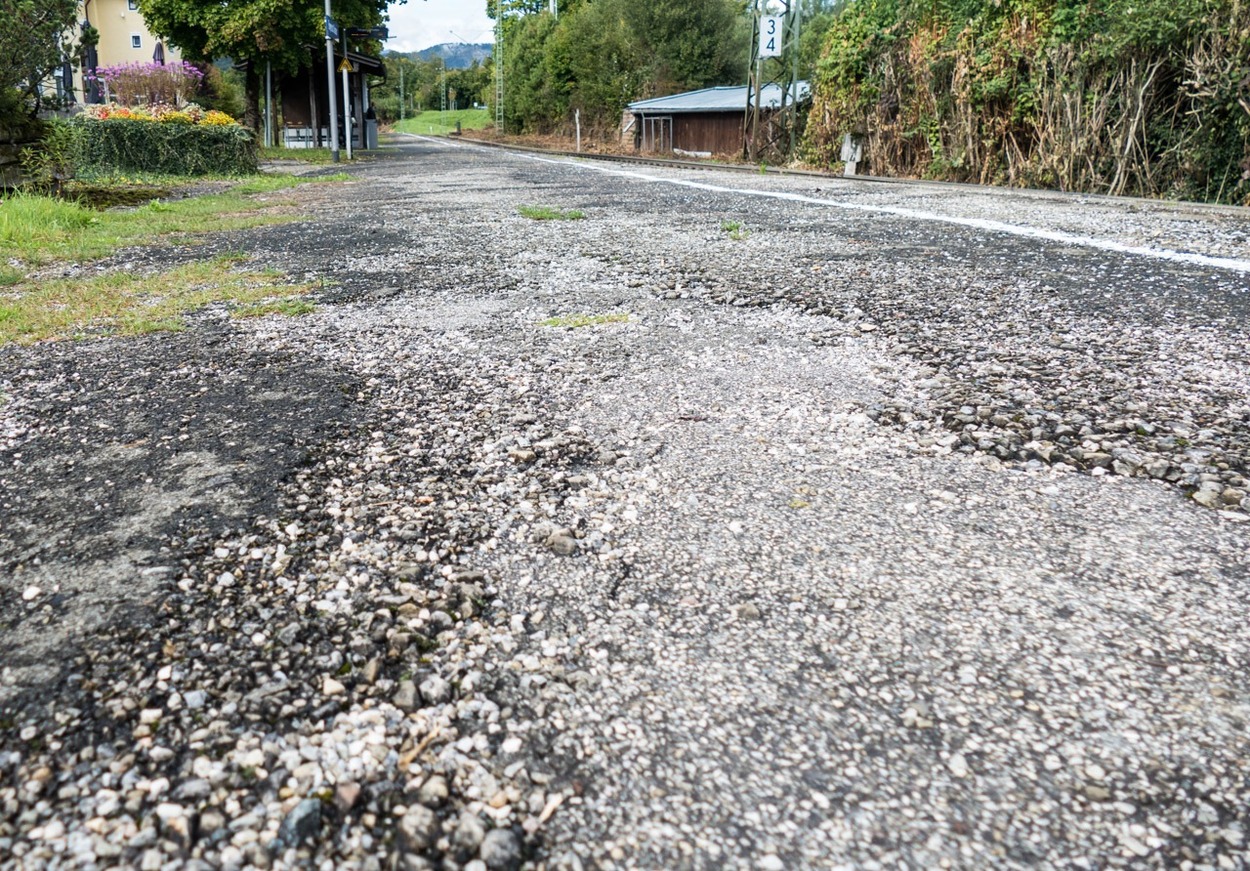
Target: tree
(596, 62)
(252, 32)
(34, 41)
(692, 43)
(515, 8)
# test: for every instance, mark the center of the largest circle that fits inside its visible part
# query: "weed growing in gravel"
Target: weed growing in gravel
(128, 304)
(303, 155)
(736, 229)
(547, 213)
(37, 230)
(580, 320)
(286, 307)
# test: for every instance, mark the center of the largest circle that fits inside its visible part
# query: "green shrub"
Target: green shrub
(124, 144)
(51, 162)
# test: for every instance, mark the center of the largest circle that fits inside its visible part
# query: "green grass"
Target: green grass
(547, 213)
(582, 320)
(435, 123)
(303, 155)
(37, 230)
(130, 304)
(288, 307)
(736, 229)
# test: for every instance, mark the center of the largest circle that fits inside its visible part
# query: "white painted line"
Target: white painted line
(434, 141)
(920, 215)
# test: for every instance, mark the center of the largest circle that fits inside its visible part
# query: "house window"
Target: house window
(136, 41)
(132, 5)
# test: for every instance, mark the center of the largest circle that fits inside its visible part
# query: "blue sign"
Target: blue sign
(332, 29)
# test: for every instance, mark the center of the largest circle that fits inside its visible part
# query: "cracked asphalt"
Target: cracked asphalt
(903, 527)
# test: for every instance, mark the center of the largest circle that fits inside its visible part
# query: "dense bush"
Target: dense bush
(173, 142)
(1147, 97)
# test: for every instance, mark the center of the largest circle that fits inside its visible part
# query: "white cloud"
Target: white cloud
(419, 24)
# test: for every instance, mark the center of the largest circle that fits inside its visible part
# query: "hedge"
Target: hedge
(171, 148)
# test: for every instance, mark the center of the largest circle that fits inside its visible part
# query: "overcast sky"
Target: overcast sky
(420, 24)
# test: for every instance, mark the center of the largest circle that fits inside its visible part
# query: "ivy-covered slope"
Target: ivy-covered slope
(1148, 97)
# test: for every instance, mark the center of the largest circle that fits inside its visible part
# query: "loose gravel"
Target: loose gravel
(861, 541)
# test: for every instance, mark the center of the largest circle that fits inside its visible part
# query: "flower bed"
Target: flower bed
(173, 140)
(162, 112)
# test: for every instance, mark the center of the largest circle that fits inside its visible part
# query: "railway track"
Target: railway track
(948, 186)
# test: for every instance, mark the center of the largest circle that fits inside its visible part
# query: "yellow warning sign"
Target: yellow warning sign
(345, 66)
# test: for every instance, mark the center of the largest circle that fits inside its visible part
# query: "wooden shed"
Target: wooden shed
(709, 121)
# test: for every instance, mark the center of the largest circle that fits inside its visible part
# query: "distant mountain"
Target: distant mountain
(457, 55)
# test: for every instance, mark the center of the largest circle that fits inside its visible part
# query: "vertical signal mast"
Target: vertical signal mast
(498, 66)
(772, 115)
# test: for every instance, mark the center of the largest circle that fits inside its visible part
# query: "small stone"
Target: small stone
(469, 832)
(562, 543)
(371, 670)
(1097, 793)
(958, 765)
(346, 795)
(195, 699)
(211, 820)
(748, 611)
(302, 823)
(331, 687)
(435, 690)
(501, 851)
(418, 828)
(770, 862)
(1208, 496)
(225, 579)
(434, 791)
(405, 697)
(30, 593)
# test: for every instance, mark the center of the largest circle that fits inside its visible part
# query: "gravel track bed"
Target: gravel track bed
(861, 541)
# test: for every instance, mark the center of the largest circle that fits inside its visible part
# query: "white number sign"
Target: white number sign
(770, 35)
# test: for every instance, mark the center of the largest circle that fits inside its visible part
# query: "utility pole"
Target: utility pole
(401, 90)
(442, 97)
(269, 104)
(334, 118)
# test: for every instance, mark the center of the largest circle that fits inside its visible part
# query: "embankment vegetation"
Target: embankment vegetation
(1145, 97)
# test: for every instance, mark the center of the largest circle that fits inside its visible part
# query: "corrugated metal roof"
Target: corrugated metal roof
(726, 98)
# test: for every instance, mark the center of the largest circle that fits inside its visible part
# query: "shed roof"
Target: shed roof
(724, 98)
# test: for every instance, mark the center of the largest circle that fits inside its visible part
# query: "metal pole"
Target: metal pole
(796, 31)
(334, 119)
(268, 104)
(401, 91)
(755, 122)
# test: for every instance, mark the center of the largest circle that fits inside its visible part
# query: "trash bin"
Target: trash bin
(371, 129)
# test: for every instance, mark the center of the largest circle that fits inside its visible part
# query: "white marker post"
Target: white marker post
(347, 100)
